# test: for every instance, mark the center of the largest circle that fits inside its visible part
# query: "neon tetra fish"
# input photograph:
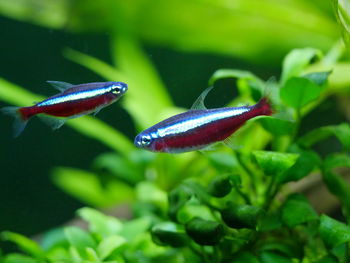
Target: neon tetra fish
(198, 127)
(73, 101)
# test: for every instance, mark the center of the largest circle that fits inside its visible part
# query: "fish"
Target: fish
(73, 101)
(199, 128)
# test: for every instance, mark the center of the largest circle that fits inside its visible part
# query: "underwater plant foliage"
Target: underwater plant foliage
(266, 29)
(216, 206)
(223, 205)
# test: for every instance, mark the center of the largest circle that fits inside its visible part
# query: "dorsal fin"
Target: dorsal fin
(60, 85)
(199, 103)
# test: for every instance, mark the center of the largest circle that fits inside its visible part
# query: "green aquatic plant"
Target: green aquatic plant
(218, 206)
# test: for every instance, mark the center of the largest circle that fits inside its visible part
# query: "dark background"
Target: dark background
(30, 55)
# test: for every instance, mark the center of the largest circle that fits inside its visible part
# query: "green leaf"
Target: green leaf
(169, 234)
(53, 238)
(245, 257)
(125, 168)
(319, 78)
(18, 258)
(234, 73)
(191, 210)
(269, 257)
(297, 92)
(220, 186)
(275, 126)
(135, 227)
(92, 191)
(204, 232)
(275, 163)
(270, 221)
(177, 198)
(304, 165)
(25, 244)
(328, 259)
(335, 183)
(333, 232)
(148, 192)
(296, 61)
(297, 210)
(79, 239)
(341, 131)
(241, 216)
(100, 224)
(110, 244)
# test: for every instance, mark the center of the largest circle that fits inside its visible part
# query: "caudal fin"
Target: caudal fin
(265, 106)
(19, 123)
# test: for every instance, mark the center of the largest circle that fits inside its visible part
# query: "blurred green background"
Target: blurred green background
(185, 40)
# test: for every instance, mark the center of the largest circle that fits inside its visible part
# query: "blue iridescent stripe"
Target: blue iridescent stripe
(195, 122)
(75, 96)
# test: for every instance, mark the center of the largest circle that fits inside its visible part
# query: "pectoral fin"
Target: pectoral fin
(60, 85)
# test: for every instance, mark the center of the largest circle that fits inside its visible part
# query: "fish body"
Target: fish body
(72, 102)
(198, 128)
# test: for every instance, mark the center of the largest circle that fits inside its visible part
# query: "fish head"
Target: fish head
(118, 89)
(146, 140)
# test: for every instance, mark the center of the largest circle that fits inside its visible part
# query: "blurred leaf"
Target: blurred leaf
(201, 26)
(304, 165)
(333, 232)
(123, 167)
(25, 244)
(341, 131)
(270, 221)
(319, 78)
(135, 227)
(148, 192)
(234, 73)
(343, 16)
(191, 210)
(275, 163)
(204, 232)
(296, 61)
(87, 125)
(241, 216)
(130, 59)
(297, 92)
(168, 234)
(18, 258)
(87, 187)
(276, 126)
(297, 210)
(79, 239)
(52, 238)
(108, 245)
(245, 257)
(50, 13)
(99, 223)
(220, 186)
(328, 259)
(269, 257)
(335, 183)
(177, 198)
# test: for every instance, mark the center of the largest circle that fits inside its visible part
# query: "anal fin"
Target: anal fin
(54, 122)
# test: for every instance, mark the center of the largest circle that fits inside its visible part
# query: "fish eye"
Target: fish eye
(116, 90)
(145, 140)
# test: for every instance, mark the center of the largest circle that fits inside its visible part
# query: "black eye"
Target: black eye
(116, 90)
(145, 140)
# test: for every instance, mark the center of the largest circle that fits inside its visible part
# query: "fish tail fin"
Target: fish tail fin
(265, 106)
(20, 119)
